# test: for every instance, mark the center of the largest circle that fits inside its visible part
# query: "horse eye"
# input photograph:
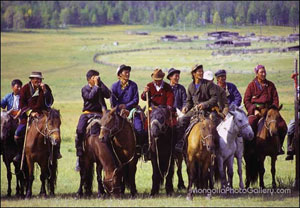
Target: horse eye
(240, 121)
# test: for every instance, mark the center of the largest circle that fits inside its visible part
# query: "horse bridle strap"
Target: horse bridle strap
(116, 127)
(204, 139)
(267, 124)
(46, 132)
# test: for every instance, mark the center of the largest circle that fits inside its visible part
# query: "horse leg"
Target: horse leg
(230, 170)
(261, 171)
(30, 177)
(43, 177)
(18, 179)
(9, 177)
(82, 180)
(169, 179)
(131, 176)
(190, 172)
(155, 175)
(101, 191)
(179, 172)
(221, 171)
(273, 170)
(240, 170)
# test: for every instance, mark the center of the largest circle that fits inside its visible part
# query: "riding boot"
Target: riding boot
(79, 150)
(290, 150)
(20, 144)
(180, 140)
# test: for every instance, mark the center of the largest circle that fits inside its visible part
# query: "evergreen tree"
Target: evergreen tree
(216, 20)
(18, 20)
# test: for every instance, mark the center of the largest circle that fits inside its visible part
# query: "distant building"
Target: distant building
(221, 34)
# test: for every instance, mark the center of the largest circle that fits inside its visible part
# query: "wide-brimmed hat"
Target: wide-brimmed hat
(157, 74)
(172, 71)
(36, 75)
(121, 68)
(220, 72)
(208, 75)
(197, 66)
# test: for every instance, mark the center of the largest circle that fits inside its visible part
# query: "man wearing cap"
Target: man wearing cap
(232, 93)
(160, 92)
(223, 105)
(35, 97)
(178, 90)
(11, 100)
(260, 94)
(201, 95)
(93, 95)
(125, 97)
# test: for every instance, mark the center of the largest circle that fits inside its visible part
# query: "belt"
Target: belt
(259, 104)
(87, 112)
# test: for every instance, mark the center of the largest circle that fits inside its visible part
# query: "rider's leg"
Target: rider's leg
(19, 139)
(182, 124)
(80, 133)
(290, 148)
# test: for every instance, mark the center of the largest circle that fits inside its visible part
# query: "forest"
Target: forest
(58, 14)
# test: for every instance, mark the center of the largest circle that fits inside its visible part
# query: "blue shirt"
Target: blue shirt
(234, 95)
(179, 96)
(8, 101)
(129, 96)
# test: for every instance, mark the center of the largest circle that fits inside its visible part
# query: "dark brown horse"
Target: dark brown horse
(120, 132)
(9, 150)
(200, 157)
(161, 147)
(266, 143)
(43, 136)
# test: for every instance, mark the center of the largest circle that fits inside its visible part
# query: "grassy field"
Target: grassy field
(64, 57)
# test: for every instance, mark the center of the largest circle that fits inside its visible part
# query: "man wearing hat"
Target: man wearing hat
(223, 105)
(178, 90)
(125, 97)
(232, 93)
(93, 95)
(260, 94)
(35, 96)
(201, 95)
(160, 92)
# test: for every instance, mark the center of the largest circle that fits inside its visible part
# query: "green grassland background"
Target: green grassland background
(64, 56)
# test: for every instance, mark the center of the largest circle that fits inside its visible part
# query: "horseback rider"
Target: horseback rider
(35, 97)
(93, 95)
(11, 100)
(201, 95)
(260, 94)
(178, 89)
(223, 106)
(126, 98)
(232, 93)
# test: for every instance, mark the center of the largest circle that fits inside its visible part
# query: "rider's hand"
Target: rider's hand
(35, 114)
(96, 79)
(18, 114)
(146, 89)
(122, 106)
(200, 106)
(184, 110)
(256, 112)
(43, 86)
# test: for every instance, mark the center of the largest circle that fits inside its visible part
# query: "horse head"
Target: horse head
(8, 125)
(206, 133)
(52, 129)
(272, 117)
(109, 122)
(158, 120)
(241, 122)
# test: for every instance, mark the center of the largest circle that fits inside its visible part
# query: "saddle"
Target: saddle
(93, 126)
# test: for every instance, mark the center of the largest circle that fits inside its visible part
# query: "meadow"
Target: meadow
(64, 56)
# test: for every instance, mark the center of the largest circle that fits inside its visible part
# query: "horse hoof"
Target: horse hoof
(189, 198)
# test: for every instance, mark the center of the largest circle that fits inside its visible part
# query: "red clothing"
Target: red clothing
(164, 96)
(36, 103)
(257, 94)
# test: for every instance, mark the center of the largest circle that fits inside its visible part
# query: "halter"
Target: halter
(46, 132)
(204, 139)
(115, 127)
(267, 125)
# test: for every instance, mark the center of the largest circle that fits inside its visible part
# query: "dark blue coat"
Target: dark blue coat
(234, 95)
(179, 96)
(129, 96)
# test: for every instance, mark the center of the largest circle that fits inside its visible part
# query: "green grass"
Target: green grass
(64, 57)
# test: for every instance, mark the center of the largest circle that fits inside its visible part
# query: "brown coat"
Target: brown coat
(222, 99)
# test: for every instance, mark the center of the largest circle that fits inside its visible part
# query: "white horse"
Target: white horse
(232, 130)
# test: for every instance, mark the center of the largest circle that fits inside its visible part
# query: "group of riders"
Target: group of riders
(202, 94)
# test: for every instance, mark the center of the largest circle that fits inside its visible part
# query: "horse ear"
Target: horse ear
(231, 112)
(232, 107)
(280, 107)
(113, 110)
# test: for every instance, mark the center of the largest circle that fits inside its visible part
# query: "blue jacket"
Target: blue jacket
(234, 95)
(129, 96)
(8, 101)
(179, 96)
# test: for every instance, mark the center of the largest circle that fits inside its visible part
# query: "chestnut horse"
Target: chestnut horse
(266, 143)
(120, 133)
(200, 154)
(43, 136)
(9, 150)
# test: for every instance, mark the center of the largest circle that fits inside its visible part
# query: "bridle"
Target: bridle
(115, 129)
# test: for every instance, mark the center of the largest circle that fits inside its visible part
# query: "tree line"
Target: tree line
(55, 14)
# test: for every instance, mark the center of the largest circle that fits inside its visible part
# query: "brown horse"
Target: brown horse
(161, 148)
(120, 132)
(266, 143)
(43, 136)
(9, 150)
(200, 156)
